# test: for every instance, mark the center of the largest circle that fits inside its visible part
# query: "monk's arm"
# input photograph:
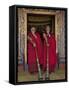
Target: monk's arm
(44, 36)
(30, 39)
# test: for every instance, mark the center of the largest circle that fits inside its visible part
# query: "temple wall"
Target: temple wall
(61, 33)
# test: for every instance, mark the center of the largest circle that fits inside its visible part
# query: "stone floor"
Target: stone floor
(26, 76)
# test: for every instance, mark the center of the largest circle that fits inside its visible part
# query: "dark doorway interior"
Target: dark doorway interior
(39, 21)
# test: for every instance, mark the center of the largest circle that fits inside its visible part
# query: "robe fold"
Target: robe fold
(32, 63)
(51, 53)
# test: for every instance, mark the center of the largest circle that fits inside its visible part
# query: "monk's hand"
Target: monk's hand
(34, 45)
(48, 45)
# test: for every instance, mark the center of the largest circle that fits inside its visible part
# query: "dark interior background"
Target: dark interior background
(39, 21)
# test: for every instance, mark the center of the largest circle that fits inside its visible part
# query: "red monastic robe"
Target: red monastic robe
(51, 53)
(32, 64)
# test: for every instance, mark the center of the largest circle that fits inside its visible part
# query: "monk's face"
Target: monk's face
(33, 30)
(47, 29)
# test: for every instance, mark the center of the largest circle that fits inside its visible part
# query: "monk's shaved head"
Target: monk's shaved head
(33, 29)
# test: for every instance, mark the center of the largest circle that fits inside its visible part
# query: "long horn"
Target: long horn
(47, 70)
(38, 65)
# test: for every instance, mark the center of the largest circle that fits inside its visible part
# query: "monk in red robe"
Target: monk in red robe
(34, 43)
(49, 50)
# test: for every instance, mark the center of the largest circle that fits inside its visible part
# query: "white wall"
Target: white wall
(4, 44)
